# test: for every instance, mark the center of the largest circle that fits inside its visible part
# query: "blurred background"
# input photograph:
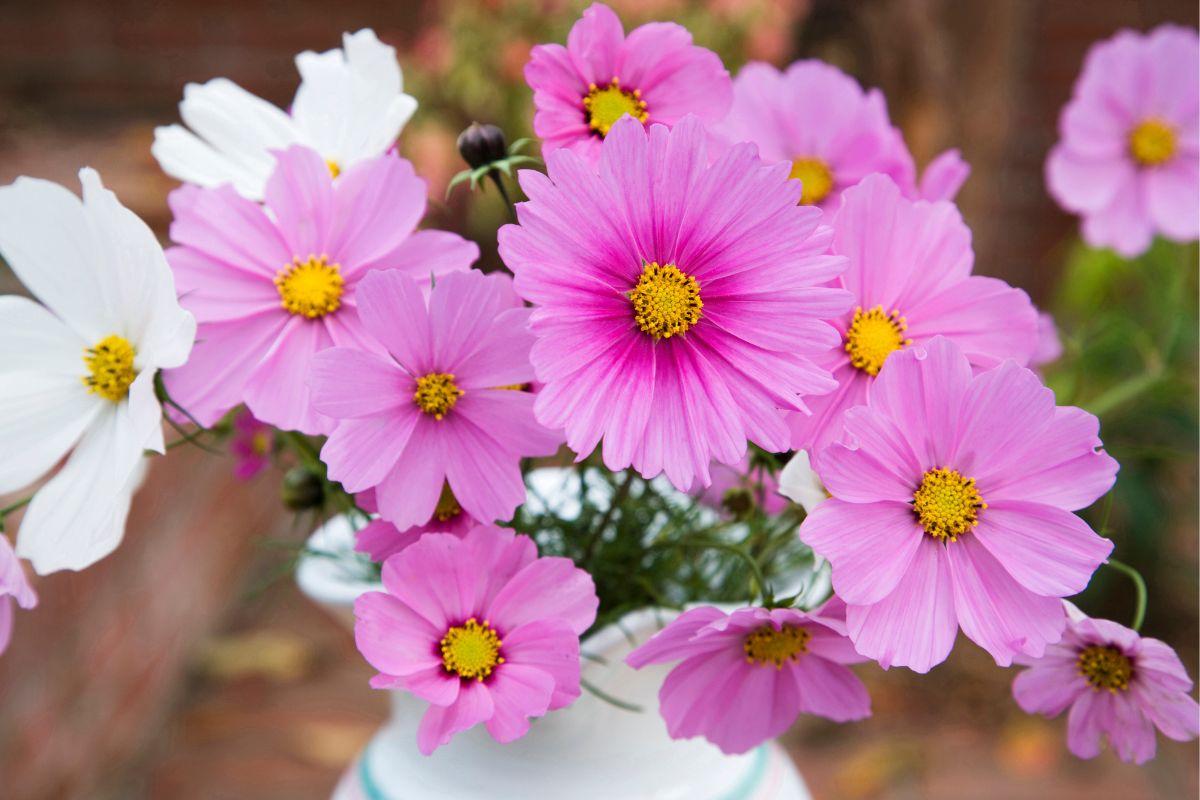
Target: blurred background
(186, 665)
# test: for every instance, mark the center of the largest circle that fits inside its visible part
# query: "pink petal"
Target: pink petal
(1002, 412)
(676, 641)
(484, 476)
(1173, 198)
(988, 319)
(473, 706)
(433, 685)
(432, 579)
(915, 625)
(348, 383)
(409, 493)
(830, 690)
(508, 416)
(1159, 665)
(429, 252)
(1083, 183)
(875, 464)
(350, 451)
(1131, 734)
(1048, 688)
(594, 44)
(552, 647)
(872, 546)
(1047, 550)
(378, 203)
(1174, 713)
(461, 312)
(1091, 715)
(299, 194)
(548, 588)
(387, 297)
(276, 391)
(393, 638)
(229, 229)
(215, 292)
(944, 176)
(995, 611)
(518, 693)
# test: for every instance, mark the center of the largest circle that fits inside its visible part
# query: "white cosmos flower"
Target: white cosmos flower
(77, 371)
(350, 106)
(800, 484)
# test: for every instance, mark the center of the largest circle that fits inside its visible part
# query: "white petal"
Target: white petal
(138, 284)
(349, 105)
(239, 130)
(79, 516)
(34, 340)
(800, 484)
(145, 413)
(42, 415)
(46, 239)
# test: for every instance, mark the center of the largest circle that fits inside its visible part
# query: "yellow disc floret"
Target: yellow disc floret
(310, 287)
(447, 505)
(110, 368)
(1105, 668)
(604, 105)
(437, 393)
(947, 504)
(666, 301)
(1152, 143)
(770, 646)
(873, 336)
(471, 650)
(334, 168)
(816, 178)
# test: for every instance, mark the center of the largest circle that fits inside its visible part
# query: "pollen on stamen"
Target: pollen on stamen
(1152, 143)
(1105, 668)
(110, 368)
(437, 393)
(604, 105)
(666, 301)
(947, 505)
(310, 287)
(471, 650)
(771, 646)
(815, 177)
(873, 336)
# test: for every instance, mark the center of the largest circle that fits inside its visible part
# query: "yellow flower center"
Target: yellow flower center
(1152, 143)
(311, 288)
(666, 301)
(333, 167)
(873, 336)
(1105, 668)
(471, 650)
(447, 505)
(769, 646)
(816, 178)
(260, 444)
(604, 105)
(110, 363)
(947, 504)
(437, 393)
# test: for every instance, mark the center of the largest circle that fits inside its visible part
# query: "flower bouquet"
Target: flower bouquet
(736, 414)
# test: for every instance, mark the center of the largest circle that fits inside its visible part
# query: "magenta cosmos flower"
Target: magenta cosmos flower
(654, 75)
(1128, 160)
(1118, 686)
(951, 506)
(818, 119)
(678, 304)
(380, 539)
(745, 677)
(14, 588)
(272, 286)
(480, 628)
(910, 273)
(442, 408)
(251, 446)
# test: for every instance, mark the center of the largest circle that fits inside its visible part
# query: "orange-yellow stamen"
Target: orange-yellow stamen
(604, 105)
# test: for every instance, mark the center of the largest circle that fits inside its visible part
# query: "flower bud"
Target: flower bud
(302, 489)
(480, 145)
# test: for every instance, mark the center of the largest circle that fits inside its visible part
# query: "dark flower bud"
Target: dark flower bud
(737, 502)
(302, 489)
(480, 145)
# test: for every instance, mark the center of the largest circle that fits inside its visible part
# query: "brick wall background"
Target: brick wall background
(109, 689)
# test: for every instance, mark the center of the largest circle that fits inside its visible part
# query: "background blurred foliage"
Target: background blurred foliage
(1130, 337)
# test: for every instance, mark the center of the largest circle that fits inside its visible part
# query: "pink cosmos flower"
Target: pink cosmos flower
(14, 587)
(1049, 347)
(654, 75)
(438, 409)
(380, 539)
(678, 303)
(479, 627)
(1118, 686)
(951, 506)
(739, 487)
(251, 445)
(818, 119)
(1128, 160)
(272, 286)
(910, 273)
(745, 677)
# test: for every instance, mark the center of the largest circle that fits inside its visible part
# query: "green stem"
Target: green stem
(618, 498)
(755, 570)
(608, 698)
(303, 447)
(4, 512)
(508, 203)
(1139, 615)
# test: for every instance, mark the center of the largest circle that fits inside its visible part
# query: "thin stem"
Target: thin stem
(598, 532)
(1139, 614)
(728, 548)
(4, 512)
(303, 447)
(512, 210)
(608, 698)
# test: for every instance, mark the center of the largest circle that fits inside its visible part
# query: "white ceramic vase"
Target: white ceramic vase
(592, 750)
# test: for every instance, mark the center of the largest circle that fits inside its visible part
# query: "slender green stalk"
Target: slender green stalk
(608, 698)
(1139, 584)
(755, 570)
(4, 512)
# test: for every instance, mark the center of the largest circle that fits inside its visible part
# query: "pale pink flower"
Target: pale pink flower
(655, 75)
(951, 506)
(251, 445)
(679, 304)
(1118, 686)
(909, 271)
(480, 628)
(380, 539)
(14, 588)
(273, 286)
(745, 677)
(1128, 160)
(438, 409)
(819, 120)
